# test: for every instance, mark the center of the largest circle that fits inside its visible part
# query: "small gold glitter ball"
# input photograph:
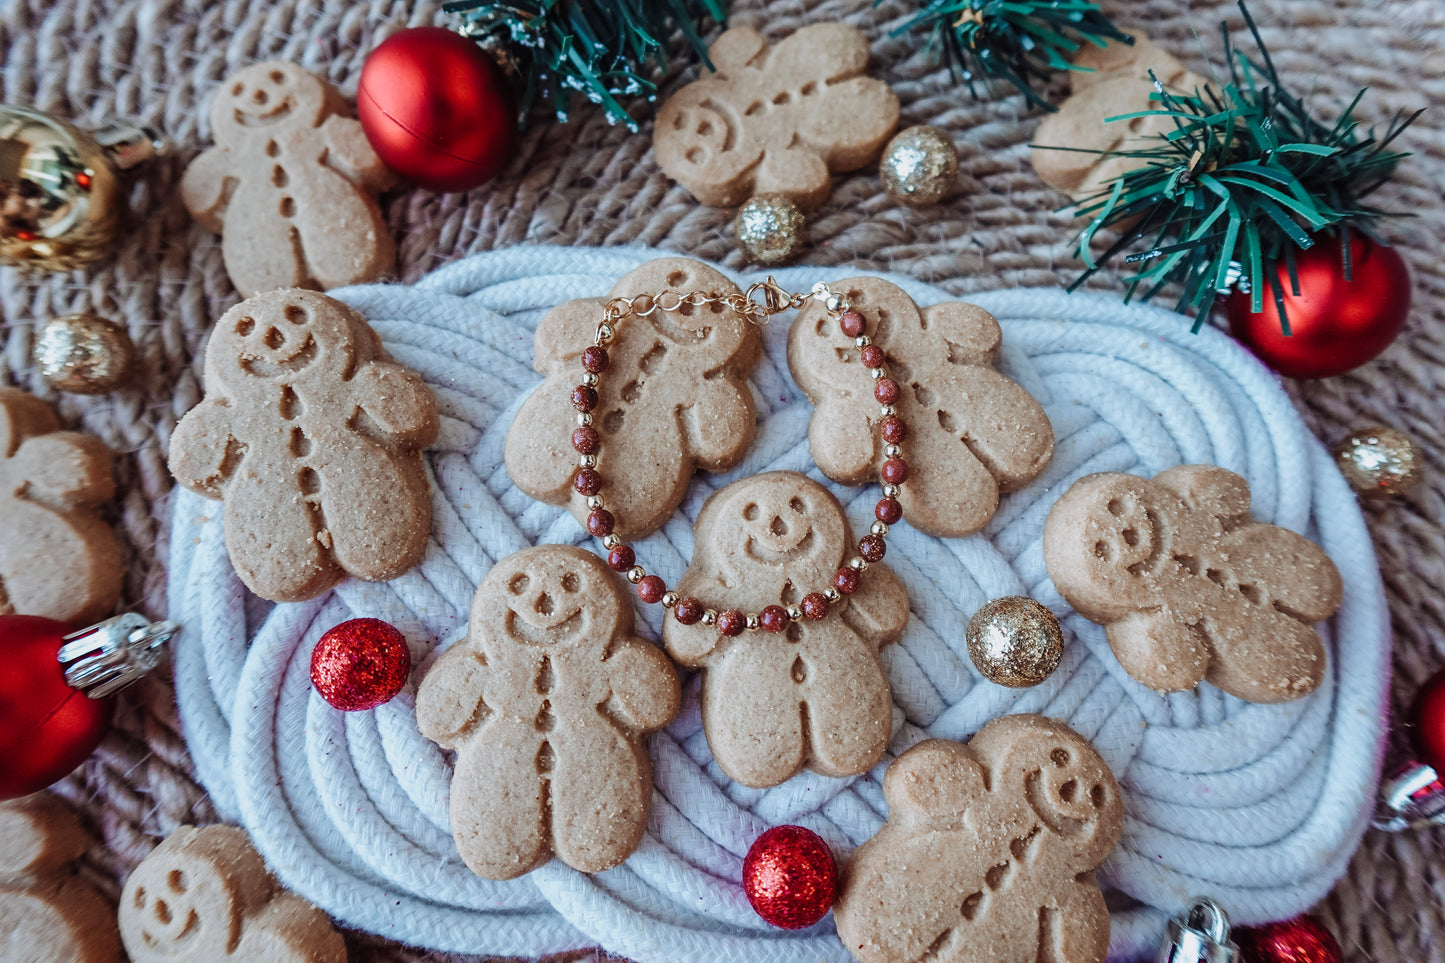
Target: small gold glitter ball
(770, 229)
(919, 166)
(1015, 641)
(1380, 461)
(83, 354)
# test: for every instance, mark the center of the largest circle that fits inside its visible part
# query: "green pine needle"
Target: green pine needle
(605, 50)
(1247, 177)
(1017, 42)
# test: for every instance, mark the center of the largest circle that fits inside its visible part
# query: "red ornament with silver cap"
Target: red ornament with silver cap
(55, 692)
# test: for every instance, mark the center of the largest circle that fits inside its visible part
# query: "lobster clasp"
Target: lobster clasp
(775, 300)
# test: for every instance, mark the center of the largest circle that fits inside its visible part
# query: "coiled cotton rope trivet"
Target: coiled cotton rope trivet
(1258, 806)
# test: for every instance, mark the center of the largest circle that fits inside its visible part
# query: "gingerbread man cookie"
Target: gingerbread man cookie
(1188, 587)
(204, 895)
(972, 433)
(674, 398)
(988, 853)
(291, 184)
(776, 119)
(546, 702)
(814, 695)
(51, 483)
(1116, 81)
(314, 442)
(48, 912)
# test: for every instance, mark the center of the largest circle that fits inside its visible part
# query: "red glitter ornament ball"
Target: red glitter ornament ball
(47, 728)
(1427, 722)
(360, 664)
(436, 109)
(790, 877)
(1300, 940)
(1335, 325)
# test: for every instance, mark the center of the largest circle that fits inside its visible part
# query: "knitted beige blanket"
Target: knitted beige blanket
(590, 183)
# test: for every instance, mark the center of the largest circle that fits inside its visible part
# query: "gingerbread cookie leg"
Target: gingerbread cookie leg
(500, 804)
(753, 715)
(598, 774)
(848, 704)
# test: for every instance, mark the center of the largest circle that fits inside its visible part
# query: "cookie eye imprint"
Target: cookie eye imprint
(571, 583)
(751, 512)
(518, 583)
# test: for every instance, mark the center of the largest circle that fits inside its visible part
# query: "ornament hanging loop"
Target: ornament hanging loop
(1200, 935)
(107, 657)
(1411, 798)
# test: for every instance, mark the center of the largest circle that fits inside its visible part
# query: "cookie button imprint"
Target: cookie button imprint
(775, 119)
(51, 484)
(314, 443)
(814, 694)
(973, 433)
(204, 895)
(675, 398)
(546, 702)
(291, 184)
(1188, 587)
(988, 852)
(48, 912)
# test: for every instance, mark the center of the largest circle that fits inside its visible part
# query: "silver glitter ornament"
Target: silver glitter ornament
(770, 229)
(919, 166)
(1015, 641)
(61, 199)
(83, 354)
(1380, 461)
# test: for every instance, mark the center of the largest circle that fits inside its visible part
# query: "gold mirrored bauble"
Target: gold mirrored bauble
(61, 204)
(770, 229)
(1015, 641)
(919, 166)
(1380, 461)
(84, 354)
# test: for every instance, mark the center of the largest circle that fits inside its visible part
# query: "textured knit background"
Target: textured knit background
(590, 183)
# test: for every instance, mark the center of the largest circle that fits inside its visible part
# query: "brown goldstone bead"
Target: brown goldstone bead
(872, 548)
(895, 471)
(731, 622)
(587, 482)
(853, 324)
(774, 618)
(584, 398)
(621, 558)
(872, 356)
(600, 523)
(586, 440)
(847, 580)
(888, 511)
(894, 430)
(886, 390)
(687, 611)
(651, 589)
(595, 359)
(815, 605)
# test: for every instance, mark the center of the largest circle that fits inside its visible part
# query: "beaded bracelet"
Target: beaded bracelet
(588, 443)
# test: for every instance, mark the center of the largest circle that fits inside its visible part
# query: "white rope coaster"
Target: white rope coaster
(1258, 806)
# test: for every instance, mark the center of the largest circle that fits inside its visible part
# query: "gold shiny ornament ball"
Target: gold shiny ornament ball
(83, 354)
(1380, 461)
(1015, 641)
(919, 166)
(770, 229)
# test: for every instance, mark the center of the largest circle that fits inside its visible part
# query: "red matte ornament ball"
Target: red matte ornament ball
(436, 109)
(1300, 940)
(790, 877)
(360, 664)
(1427, 722)
(1335, 325)
(47, 728)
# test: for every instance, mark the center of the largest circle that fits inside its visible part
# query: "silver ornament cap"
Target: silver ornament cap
(108, 656)
(83, 354)
(770, 229)
(1412, 797)
(1200, 935)
(919, 166)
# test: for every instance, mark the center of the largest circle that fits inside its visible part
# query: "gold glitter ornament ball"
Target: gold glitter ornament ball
(770, 229)
(83, 354)
(1380, 461)
(919, 166)
(1015, 641)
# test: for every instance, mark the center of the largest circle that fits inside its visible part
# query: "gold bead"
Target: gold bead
(770, 229)
(919, 166)
(1380, 461)
(1015, 641)
(84, 354)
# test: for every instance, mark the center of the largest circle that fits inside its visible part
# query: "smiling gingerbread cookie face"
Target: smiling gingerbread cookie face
(784, 526)
(265, 95)
(205, 895)
(546, 702)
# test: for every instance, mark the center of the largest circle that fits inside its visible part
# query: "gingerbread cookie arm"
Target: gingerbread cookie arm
(82, 579)
(1295, 575)
(66, 470)
(1161, 649)
(38, 834)
(203, 452)
(207, 186)
(645, 691)
(692, 645)
(22, 416)
(934, 783)
(878, 611)
(564, 333)
(291, 930)
(399, 402)
(1209, 489)
(449, 703)
(719, 424)
(540, 459)
(349, 153)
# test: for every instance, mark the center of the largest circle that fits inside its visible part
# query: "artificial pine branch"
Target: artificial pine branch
(1018, 42)
(1247, 177)
(606, 50)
